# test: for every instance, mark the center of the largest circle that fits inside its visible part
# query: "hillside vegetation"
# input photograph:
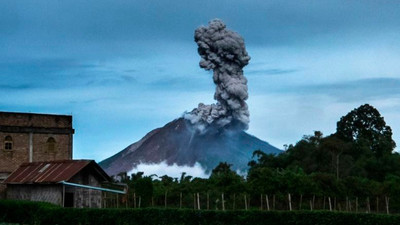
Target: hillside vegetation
(355, 169)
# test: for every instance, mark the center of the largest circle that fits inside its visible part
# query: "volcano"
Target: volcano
(179, 143)
(209, 134)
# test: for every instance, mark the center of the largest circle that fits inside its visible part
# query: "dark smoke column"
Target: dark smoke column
(222, 51)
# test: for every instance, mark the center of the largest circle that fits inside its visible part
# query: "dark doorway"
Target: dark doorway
(69, 200)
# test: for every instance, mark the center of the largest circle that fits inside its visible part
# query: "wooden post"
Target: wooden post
(248, 202)
(368, 205)
(165, 199)
(266, 199)
(134, 199)
(234, 201)
(311, 207)
(223, 202)
(290, 202)
(208, 201)
(245, 202)
(313, 201)
(301, 201)
(140, 201)
(387, 204)
(334, 203)
(356, 204)
(273, 202)
(330, 204)
(350, 205)
(180, 200)
(377, 204)
(198, 200)
(194, 201)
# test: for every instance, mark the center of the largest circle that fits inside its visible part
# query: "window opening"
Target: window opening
(8, 143)
(51, 144)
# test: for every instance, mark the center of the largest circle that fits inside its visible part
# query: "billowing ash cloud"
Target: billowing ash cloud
(224, 52)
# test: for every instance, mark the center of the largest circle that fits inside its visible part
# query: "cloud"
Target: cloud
(112, 81)
(97, 28)
(268, 72)
(174, 170)
(187, 83)
(362, 89)
(16, 87)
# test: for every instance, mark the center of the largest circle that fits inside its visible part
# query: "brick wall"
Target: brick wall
(22, 126)
(41, 151)
(35, 120)
(11, 159)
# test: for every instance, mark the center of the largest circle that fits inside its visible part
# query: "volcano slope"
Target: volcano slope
(179, 143)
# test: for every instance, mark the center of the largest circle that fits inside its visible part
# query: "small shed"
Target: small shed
(68, 183)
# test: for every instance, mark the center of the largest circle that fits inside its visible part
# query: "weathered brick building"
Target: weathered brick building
(36, 163)
(30, 137)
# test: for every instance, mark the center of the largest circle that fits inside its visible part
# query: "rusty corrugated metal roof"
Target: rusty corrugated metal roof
(48, 172)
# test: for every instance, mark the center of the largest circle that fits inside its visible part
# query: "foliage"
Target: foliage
(365, 125)
(23, 212)
(225, 180)
(353, 164)
(38, 213)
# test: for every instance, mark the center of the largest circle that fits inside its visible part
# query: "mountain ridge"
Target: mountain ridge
(179, 143)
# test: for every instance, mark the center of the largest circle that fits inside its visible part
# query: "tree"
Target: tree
(225, 179)
(336, 148)
(144, 190)
(365, 125)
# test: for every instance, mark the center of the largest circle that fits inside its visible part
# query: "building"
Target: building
(30, 137)
(68, 183)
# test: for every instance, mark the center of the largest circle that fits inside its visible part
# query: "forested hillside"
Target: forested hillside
(354, 169)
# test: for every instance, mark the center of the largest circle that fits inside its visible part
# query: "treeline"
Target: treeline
(354, 169)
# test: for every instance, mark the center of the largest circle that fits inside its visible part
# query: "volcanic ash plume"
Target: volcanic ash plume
(222, 51)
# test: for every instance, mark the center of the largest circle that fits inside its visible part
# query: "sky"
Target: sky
(123, 68)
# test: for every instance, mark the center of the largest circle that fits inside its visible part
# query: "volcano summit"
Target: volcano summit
(209, 134)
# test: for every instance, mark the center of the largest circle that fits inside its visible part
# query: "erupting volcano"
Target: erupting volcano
(209, 134)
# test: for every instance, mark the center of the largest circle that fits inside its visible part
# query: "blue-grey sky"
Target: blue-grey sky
(123, 68)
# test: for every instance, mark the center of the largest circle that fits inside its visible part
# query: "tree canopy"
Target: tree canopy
(365, 126)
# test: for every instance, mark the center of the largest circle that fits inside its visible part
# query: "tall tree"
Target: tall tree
(365, 125)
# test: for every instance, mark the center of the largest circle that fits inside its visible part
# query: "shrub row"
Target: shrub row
(42, 213)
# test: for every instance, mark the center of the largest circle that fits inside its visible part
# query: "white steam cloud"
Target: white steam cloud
(224, 52)
(174, 170)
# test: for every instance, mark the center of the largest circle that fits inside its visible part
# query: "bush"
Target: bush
(23, 212)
